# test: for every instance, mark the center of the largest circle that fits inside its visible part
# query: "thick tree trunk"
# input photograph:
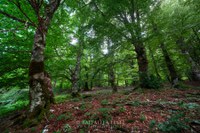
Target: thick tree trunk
(142, 62)
(39, 93)
(170, 66)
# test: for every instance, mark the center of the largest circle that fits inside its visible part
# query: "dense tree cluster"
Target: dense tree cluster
(87, 43)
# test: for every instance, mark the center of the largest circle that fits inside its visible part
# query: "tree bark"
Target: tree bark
(172, 71)
(111, 73)
(39, 89)
(39, 98)
(112, 79)
(142, 62)
(140, 50)
(76, 73)
(38, 82)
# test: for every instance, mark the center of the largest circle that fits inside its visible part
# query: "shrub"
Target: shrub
(122, 109)
(104, 102)
(152, 124)
(67, 128)
(142, 118)
(151, 82)
(130, 121)
(136, 103)
(64, 117)
(103, 114)
(176, 123)
(82, 106)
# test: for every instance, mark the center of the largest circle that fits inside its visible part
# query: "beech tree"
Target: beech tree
(43, 12)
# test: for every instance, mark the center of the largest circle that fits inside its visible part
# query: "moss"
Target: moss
(39, 114)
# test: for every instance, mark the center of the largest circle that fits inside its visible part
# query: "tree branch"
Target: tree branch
(15, 18)
(103, 14)
(18, 5)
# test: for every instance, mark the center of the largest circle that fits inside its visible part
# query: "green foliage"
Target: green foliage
(151, 82)
(67, 116)
(152, 124)
(62, 98)
(104, 102)
(190, 105)
(176, 123)
(75, 99)
(136, 103)
(86, 96)
(103, 114)
(142, 117)
(130, 121)
(61, 117)
(12, 100)
(52, 116)
(33, 129)
(122, 109)
(67, 128)
(83, 106)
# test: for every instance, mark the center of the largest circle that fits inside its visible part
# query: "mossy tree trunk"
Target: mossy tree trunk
(40, 97)
(39, 92)
(76, 73)
(112, 79)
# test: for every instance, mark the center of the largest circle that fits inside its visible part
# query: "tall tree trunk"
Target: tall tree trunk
(170, 66)
(112, 79)
(195, 69)
(111, 73)
(39, 90)
(140, 50)
(39, 98)
(39, 87)
(75, 76)
(142, 62)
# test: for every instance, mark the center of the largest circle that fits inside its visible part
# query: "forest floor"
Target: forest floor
(164, 110)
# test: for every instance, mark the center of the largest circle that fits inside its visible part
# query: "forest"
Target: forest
(100, 66)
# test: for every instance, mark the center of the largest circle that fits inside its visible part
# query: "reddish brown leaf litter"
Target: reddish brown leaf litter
(123, 112)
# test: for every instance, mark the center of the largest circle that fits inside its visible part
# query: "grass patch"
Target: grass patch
(62, 98)
(104, 102)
